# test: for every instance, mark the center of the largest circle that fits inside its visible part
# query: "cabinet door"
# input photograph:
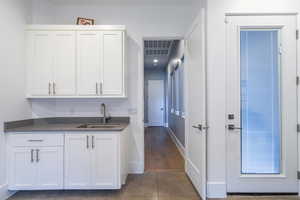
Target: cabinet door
(22, 169)
(88, 62)
(50, 167)
(77, 161)
(112, 63)
(64, 63)
(105, 161)
(40, 62)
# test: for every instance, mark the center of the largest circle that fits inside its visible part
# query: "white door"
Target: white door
(64, 71)
(50, 168)
(77, 161)
(40, 62)
(112, 61)
(105, 156)
(22, 170)
(156, 102)
(88, 63)
(261, 104)
(196, 125)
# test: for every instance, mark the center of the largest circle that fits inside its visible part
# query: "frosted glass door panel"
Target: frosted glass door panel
(260, 102)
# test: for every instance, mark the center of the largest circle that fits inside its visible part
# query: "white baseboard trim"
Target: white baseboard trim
(5, 193)
(193, 174)
(178, 144)
(216, 190)
(136, 168)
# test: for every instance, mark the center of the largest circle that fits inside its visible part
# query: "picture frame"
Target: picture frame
(85, 21)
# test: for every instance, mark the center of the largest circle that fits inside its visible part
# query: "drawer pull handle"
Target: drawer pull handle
(35, 140)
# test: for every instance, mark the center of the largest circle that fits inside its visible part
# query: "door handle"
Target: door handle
(232, 127)
(200, 127)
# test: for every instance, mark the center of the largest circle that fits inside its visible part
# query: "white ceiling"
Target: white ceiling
(157, 49)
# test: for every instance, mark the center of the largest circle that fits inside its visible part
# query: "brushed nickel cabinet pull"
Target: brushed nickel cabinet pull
(97, 89)
(87, 142)
(49, 88)
(54, 89)
(93, 142)
(37, 155)
(32, 155)
(35, 140)
(101, 88)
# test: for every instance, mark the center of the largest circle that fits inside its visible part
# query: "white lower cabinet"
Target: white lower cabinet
(22, 169)
(77, 161)
(53, 161)
(105, 165)
(34, 164)
(92, 161)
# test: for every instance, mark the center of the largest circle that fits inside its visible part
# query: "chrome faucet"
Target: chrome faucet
(105, 118)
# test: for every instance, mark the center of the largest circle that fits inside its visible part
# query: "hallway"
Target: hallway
(161, 154)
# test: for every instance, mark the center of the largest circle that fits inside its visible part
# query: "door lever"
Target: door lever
(232, 127)
(200, 127)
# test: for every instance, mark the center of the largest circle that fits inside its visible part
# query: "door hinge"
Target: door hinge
(298, 128)
(297, 34)
(297, 80)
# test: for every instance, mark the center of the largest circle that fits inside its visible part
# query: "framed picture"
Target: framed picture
(85, 21)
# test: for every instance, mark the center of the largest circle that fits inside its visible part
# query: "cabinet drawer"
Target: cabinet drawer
(42, 139)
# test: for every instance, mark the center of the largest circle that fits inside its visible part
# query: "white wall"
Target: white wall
(13, 105)
(143, 18)
(175, 122)
(216, 10)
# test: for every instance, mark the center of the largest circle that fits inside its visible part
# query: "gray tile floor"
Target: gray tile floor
(153, 185)
(149, 186)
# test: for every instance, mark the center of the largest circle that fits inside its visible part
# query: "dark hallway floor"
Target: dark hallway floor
(161, 153)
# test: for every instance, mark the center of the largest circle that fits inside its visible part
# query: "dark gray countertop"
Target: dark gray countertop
(63, 124)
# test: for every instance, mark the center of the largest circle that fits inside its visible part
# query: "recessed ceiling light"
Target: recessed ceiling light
(155, 61)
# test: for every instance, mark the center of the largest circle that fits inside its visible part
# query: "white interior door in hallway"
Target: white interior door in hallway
(156, 103)
(196, 125)
(261, 101)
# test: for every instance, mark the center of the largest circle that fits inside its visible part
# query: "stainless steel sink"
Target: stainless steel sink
(100, 126)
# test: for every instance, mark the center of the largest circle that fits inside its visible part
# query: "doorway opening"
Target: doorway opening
(164, 114)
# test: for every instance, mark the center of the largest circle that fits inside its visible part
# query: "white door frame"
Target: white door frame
(200, 20)
(141, 89)
(298, 73)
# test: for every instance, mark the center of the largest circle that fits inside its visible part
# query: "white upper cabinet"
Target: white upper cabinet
(88, 63)
(112, 62)
(76, 62)
(64, 67)
(40, 62)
